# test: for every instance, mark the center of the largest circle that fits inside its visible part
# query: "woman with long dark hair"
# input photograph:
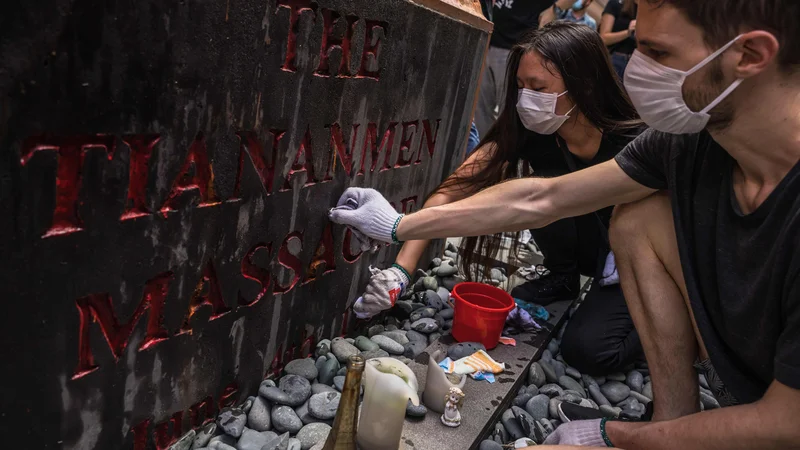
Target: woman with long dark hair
(618, 30)
(564, 111)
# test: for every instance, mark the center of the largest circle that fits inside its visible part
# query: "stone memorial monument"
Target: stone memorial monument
(166, 167)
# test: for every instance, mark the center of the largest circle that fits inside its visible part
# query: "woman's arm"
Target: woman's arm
(610, 38)
(412, 251)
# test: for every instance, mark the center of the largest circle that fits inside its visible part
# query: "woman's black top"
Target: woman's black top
(621, 23)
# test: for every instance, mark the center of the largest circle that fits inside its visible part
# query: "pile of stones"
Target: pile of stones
(296, 412)
(534, 411)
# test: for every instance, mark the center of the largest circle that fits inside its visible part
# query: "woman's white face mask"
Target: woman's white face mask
(537, 111)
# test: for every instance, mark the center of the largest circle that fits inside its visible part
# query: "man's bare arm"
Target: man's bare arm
(770, 423)
(526, 203)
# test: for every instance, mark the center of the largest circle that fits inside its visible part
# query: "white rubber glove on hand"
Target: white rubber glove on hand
(579, 432)
(366, 211)
(384, 288)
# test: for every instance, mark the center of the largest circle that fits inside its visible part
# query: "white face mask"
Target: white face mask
(537, 111)
(657, 93)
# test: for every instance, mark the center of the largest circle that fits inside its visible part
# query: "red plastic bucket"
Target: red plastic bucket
(480, 313)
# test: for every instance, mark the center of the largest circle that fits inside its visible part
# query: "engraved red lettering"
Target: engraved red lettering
(99, 308)
(323, 255)
(296, 9)
(141, 149)
(168, 431)
(289, 261)
(207, 292)
(372, 47)
(140, 435)
(196, 175)
(330, 42)
(229, 395)
(407, 204)
(307, 166)
(255, 273)
(202, 412)
(405, 144)
(347, 251)
(276, 366)
(430, 138)
(250, 149)
(70, 153)
(371, 141)
(345, 155)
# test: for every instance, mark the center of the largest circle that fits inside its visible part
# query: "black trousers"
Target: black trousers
(600, 337)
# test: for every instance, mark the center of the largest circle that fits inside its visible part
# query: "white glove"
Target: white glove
(384, 288)
(366, 211)
(578, 432)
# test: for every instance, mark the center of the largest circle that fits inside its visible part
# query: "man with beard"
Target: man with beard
(707, 234)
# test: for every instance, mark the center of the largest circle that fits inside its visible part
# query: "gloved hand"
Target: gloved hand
(366, 211)
(579, 432)
(384, 288)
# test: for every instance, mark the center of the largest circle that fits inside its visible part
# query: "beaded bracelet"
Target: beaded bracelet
(603, 432)
(405, 272)
(394, 230)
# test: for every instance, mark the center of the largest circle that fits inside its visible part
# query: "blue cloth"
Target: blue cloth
(473, 140)
(533, 309)
(569, 16)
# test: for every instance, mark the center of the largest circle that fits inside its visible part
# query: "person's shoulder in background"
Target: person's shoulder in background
(613, 7)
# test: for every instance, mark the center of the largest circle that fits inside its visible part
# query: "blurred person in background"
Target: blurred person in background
(618, 30)
(569, 10)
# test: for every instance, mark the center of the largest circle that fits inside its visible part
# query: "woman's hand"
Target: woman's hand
(366, 211)
(632, 27)
(384, 288)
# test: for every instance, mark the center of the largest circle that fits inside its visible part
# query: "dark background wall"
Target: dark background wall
(165, 172)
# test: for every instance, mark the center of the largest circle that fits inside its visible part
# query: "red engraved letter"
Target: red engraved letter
(289, 261)
(228, 397)
(407, 204)
(296, 8)
(201, 412)
(322, 256)
(99, 307)
(430, 139)
(345, 154)
(405, 144)
(251, 150)
(372, 47)
(140, 435)
(306, 166)
(196, 174)
(371, 140)
(141, 149)
(255, 273)
(70, 151)
(347, 251)
(329, 42)
(207, 292)
(168, 431)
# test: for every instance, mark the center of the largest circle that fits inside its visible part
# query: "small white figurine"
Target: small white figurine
(453, 401)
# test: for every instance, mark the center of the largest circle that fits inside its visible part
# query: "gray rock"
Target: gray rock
(447, 314)
(391, 328)
(397, 336)
(232, 421)
(342, 371)
(635, 380)
(259, 416)
(447, 326)
(414, 336)
(297, 388)
(588, 380)
(546, 356)
(628, 413)
(463, 349)
(425, 326)
(422, 313)
(552, 346)
(273, 394)
(601, 380)
(587, 403)
(375, 329)
(521, 400)
(328, 371)
(500, 434)
(222, 439)
(703, 381)
(444, 295)
(343, 349)
(559, 368)
(617, 376)
(414, 348)
(450, 282)
(338, 382)
(545, 427)
(640, 397)
(416, 411)
(247, 404)
(433, 300)
(324, 405)
(572, 372)
(551, 390)
(374, 354)
(447, 269)
(316, 388)
(553, 407)
(536, 375)
(511, 424)
(219, 445)
(203, 435)
(252, 440)
(487, 444)
(610, 411)
(294, 444)
(284, 419)
(304, 414)
(278, 443)
(312, 434)
(647, 390)
(388, 344)
(570, 383)
(433, 337)
(708, 401)
(320, 362)
(430, 283)
(629, 403)
(185, 442)
(615, 391)
(525, 420)
(571, 397)
(323, 348)
(538, 406)
(407, 326)
(532, 389)
(549, 372)
(594, 391)
(305, 368)
(364, 344)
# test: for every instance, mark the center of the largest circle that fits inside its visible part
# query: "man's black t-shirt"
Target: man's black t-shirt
(621, 23)
(513, 19)
(741, 270)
